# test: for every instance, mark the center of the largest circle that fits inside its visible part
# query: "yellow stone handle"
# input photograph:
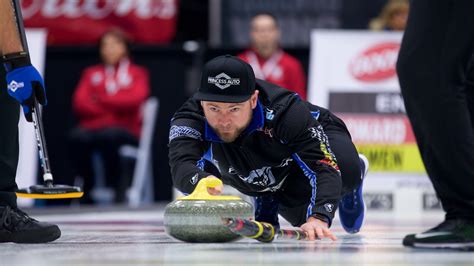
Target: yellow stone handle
(200, 192)
(206, 182)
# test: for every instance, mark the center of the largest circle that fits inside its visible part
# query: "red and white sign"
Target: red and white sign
(355, 72)
(379, 129)
(84, 21)
(362, 65)
(376, 63)
(352, 61)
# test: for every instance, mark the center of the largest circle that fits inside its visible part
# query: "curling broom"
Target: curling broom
(263, 232)
(48, 190)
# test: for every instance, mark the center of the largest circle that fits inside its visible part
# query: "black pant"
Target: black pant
(293, 202)
(9, 116)
(105, 142)
(346, 153)
(431, 67)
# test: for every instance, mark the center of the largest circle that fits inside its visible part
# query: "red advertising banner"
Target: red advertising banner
(84, 21)
(379, 129)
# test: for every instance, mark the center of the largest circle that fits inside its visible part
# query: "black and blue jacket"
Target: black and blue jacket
(285, 138)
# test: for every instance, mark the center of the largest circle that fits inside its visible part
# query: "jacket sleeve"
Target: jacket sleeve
(311, 151)
(186, 151)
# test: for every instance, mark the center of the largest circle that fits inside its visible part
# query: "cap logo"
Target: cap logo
(223, 81)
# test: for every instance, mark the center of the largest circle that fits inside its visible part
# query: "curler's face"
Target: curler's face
(229, 120)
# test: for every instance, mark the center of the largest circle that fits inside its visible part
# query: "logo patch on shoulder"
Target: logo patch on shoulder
(269, 114)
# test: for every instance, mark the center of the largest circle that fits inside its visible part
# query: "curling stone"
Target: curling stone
(198, 216)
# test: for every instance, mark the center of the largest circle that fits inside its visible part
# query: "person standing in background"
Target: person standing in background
(108, 103)
(267, 58)
(433, 71)
(24, 83)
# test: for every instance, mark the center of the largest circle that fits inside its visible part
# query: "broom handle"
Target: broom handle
(262, 232)
(41, 142)
(19, 23)
(35, 111)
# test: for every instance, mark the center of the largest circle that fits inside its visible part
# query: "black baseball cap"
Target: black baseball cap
(226, 79)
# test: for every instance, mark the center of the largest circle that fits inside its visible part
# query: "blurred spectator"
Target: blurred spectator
(268, 60)
(107, 103)
(393, 17)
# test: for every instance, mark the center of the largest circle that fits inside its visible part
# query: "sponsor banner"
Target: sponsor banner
(84, 21)
(379, 129)
(393, 158)
(368, 102)
(366, 65)
(380, 201)
(431, 201)
(376, 62)
(359, 83)
(406, 195)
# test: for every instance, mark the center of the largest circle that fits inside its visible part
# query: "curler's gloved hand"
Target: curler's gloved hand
(24, 82)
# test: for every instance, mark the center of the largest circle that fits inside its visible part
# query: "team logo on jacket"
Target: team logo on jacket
(269, 114)
(223, 81)
(329, 157)
(267, 131)
(263, 176)
(259, 177)
(314, 132)
(328, 207)
(194, 179)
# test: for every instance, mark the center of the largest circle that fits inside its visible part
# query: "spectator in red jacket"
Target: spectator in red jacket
(107, 103)
(268, 60)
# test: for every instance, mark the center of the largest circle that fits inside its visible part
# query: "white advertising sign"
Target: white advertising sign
(353, 74)
(352, 61)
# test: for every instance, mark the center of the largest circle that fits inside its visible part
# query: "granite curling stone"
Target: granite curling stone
(198, 216)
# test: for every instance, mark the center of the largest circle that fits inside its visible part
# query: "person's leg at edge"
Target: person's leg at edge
(15, 225)
(431, 66)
